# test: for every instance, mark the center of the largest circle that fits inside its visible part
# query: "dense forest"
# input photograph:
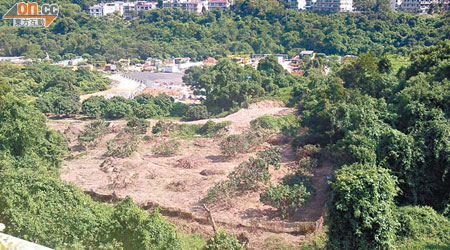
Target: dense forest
(250, 27)
(383, 124)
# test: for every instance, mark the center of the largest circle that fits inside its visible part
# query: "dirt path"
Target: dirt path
(121, 86)
(241, 119)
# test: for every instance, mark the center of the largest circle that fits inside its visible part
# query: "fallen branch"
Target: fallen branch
(211, 219)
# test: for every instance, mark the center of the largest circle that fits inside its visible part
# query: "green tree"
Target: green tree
(94, 106)
(197, 113)
(118, 107)
(25, 140)
(67, 104)
(361, 208)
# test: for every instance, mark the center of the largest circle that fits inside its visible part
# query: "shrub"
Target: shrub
(139, 126)
(250, 173)
(161, 126)
(135, 229)
(146, 110)
(308, 150)
(67, 104)
(423, 226)
(197, 113)
(123, 145)
(265, 122)
(92, 132)
(94, 106)
(234, 144)
(247, 176)
(167, 148)
(179, 109)
(219, 192)
(284, 197)
(272, 156)
(221, 241)
(210, 128)
(118, 107)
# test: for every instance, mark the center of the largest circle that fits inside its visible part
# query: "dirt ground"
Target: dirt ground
(178, 188)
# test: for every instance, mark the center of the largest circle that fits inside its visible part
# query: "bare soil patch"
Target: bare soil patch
(178, 183)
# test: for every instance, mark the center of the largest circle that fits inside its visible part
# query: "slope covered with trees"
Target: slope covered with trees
(367, 117)
(250, 27)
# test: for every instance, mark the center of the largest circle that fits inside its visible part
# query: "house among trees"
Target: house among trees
(322, 5)
(419, 6)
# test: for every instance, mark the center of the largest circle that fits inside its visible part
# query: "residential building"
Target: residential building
(104, 9)
(218, 4)
(333, 5)
(128, 8)
(193, 6)
(419, 6)
(143, 6)
(297, 4)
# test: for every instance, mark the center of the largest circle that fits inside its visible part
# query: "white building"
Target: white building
(124, 9)
(333, 5)
(193, 6)
(104, 9)
(418, 6)
(218, 4)
(145, 6)
(297, 4)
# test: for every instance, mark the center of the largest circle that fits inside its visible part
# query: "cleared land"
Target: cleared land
(178, 190)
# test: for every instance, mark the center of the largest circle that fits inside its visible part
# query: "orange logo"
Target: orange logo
(29, 14)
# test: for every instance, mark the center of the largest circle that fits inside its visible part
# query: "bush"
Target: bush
(361, 212)
(308, 151)
(272, 156)
(41, 208)
(210, 128)
(67, 104)
(234, 144)
(179, 109)
(31, 199)
(138, 126)
(167, 148)
(221, 241)
(197, 113)
(265, 122)
(284, 197)
(123, 145)
(92, 132)
(94, 106)
(420, 227)
(247, 176)
(118, 107)
(161, 126)
(135, 229)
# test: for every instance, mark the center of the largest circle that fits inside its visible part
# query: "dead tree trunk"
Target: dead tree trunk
(210, 217)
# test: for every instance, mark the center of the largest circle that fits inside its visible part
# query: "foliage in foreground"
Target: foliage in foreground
(25, 140)
(362, 212)
(41, 208)
(221, 240)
